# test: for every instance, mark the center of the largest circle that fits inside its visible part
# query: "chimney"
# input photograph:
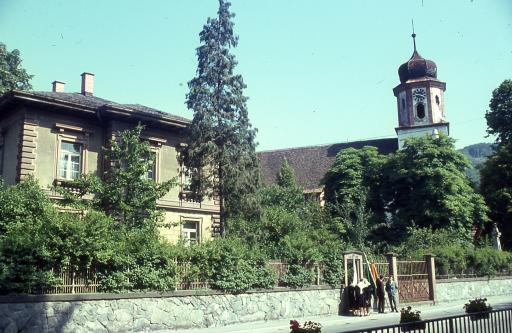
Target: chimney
(58, 86)
(87, 84)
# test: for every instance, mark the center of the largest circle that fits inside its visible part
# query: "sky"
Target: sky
(317, 71)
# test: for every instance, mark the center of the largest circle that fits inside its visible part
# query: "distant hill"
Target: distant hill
(477, 154)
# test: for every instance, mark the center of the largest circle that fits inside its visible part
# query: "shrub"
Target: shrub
(333, 268)
(477, 305)
(487, 261)
(450, 259)
(235, 267)
(297, 276)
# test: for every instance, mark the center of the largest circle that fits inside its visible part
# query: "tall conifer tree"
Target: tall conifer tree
(221, 145)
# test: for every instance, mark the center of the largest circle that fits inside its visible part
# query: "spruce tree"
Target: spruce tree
(221, 140)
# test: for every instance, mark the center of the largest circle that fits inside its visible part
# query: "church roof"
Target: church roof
(312, 163)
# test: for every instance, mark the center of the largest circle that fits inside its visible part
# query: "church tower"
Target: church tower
(420, 99)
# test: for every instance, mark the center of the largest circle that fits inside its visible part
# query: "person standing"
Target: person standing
(380, 293)
(392, 290)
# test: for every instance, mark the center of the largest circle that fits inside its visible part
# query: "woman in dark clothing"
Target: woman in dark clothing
(367, 292)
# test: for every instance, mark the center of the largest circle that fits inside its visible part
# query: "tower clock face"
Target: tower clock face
(419, 94)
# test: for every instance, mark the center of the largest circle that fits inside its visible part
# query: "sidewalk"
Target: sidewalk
(337, 324)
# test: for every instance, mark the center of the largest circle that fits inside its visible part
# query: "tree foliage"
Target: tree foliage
(12, 75)
(423, 185)
(286, 193)
(36, 238)
(355, 178)
(496, 187)
(426, 186)
(496, 174)
(221, 141)
(353, 193)
(125, 193)
(499, 117)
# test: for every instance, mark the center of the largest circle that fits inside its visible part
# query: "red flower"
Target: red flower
(294, 324)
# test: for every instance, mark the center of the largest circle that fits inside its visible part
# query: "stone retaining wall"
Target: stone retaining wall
(466, 289)
(142, 313)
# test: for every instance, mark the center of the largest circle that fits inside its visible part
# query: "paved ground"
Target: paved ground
(338, 324)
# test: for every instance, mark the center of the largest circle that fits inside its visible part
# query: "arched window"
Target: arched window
(420, 110)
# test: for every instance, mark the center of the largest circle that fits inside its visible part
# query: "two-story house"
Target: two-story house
(57, 136)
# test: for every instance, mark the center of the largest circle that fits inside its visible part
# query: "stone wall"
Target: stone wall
(149, 312)
(466, 289)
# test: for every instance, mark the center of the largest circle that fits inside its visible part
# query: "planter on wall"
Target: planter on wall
(478, 316)
(414, 326)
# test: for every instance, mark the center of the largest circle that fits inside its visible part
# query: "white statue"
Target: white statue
(496, 234)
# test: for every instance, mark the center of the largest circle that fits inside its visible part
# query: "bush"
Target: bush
(36, 238)
(138, 262)
(487, 261)
(297, 276)
(235, 267)
(451, 259)
(333, 268)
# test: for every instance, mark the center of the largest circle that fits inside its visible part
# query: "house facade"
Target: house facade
(57, 136)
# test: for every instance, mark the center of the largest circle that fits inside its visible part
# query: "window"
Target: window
(70, 161)
(190, 231)
(152, 170)
(420, 110)
(186, 178)
(437, 100)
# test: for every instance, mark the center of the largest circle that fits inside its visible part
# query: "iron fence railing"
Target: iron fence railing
(497, 321)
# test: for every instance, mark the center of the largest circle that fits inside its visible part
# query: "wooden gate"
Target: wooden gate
(413, 282)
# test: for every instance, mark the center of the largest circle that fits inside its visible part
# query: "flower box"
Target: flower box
(414, 326)
(478, 316)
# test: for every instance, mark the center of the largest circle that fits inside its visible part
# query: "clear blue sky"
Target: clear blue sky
(317, 71)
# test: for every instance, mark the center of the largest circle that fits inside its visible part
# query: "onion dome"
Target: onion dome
(417, 66)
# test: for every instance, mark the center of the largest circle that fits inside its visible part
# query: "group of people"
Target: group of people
(360, 295)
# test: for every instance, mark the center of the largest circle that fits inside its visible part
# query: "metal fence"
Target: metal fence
(497, 321)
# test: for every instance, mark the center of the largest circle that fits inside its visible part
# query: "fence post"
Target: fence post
(392, 266)
(73, 282)
(452, 330)
(431, 270)
(317, 274)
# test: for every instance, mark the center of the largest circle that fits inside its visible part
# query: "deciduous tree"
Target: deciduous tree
(496, 175)
(499, 117)
(426, 186)
(12, 75)
(125, 193)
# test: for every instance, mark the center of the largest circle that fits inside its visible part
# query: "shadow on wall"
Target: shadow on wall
(40, 316)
